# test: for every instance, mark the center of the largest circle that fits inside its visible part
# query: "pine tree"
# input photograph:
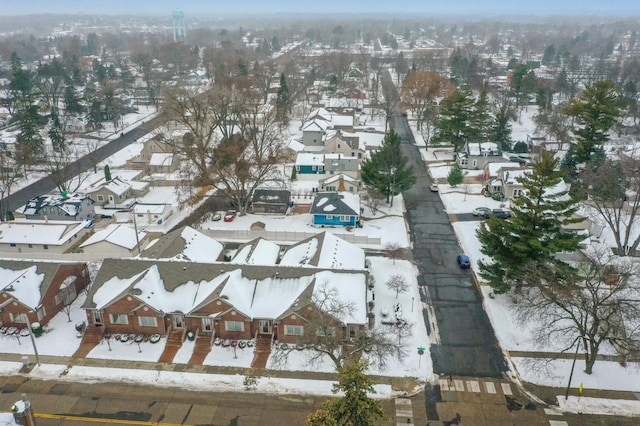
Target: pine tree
(453, 123)
(455, 176)
(535, 232)
(107, 173)
(355, 407)
(597, 109)
(29, 143)
(387, 168)
(283, 105)
(480, 120)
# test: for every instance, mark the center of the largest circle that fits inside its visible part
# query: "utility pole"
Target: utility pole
(135, 229)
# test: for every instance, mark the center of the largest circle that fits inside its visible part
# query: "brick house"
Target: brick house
(229, 301)
(38, 290)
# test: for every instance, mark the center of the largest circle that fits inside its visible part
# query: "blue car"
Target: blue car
(463, 261)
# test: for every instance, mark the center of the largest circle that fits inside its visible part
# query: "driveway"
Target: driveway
(464, 341)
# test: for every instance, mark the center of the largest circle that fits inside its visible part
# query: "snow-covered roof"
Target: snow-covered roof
(161, 159)
(336, 178)
(255, 291)
(119, 235)
(295, 145)
(257, 252)
(54, 233)
(315, 126)
(140, 208)
(117, 186)
(336, 203)
(494, 168)
(69, 204)
(342, 120)
(482, 148)
(319, 113)
(309, 159)
(324, 250)
(24, 285)
(186, 244)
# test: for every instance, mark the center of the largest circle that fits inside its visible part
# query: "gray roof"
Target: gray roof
(271, 196)
(322, 199)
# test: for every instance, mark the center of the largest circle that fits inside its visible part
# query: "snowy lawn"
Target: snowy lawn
(229, 357)
(145, 351)
(184, 353)
(193, 381)
(456, 201)
(59, 338)
(413, 365)
(299, 361)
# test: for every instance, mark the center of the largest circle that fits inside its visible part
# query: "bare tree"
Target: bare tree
(374, 199)
(420, 89)
(393, 251)
(613, 190)
(594, 304)
(390, 101)
(397, 283)
(326, 335)
(67, 295)
(9, 175)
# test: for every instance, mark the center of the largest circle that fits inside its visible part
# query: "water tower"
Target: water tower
(179, 27)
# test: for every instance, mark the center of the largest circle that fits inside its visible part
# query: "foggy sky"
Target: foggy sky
(193, 8)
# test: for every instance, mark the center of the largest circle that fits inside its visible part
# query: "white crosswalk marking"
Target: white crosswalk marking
(473, 386)
(404, 411)
(444, 384)
(558, 423)
(490, 386)
(506, 388)
(552, 412)
(459, 385)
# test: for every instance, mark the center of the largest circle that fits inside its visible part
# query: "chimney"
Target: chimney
(22, 413)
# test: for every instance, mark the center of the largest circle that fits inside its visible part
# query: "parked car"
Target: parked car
(501, 214)
(433, 187)
(463, 261)
(216, 216)
(230, 215)
(481, 211)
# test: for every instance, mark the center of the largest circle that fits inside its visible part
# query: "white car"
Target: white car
(433, 187)
(481, 211)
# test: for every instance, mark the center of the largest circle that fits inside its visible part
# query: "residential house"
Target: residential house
(41, 236)
(310, 163)
(37, 291)
(116, 240)
(345, 144)
(152, 214)
(341, 164)
(325, 251)
(185, 244)
(155, 145)
(270, 201)
(476, 154)
(222, 300)
(342, 122)
(336, 209)
(313, 133)
(113, 193)
(74, 207)
(339, 183)
(490, 171)
(74, 124)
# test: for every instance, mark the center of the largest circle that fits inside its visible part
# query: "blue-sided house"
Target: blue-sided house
(336, 209)
(310, 163)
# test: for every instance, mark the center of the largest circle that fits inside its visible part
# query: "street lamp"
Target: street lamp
(573, 365)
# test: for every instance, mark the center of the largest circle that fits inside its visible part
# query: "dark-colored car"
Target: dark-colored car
(501, 214)
(230, 215)
(463, 261)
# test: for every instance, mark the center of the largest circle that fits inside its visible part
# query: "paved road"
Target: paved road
(46, 184)
(65, 403)
(465, 342)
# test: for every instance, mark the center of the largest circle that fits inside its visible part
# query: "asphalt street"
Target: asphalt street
(464, 340)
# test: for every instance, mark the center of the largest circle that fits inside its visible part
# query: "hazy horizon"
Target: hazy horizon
(193, 8)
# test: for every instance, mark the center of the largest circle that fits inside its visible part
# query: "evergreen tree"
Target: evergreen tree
(283, 100)
(355, 407)
(107, 173)
(501, 127)
(387, 168)
(455, 176)
(57, 134)
(535, 232)
(72, 105)
(597, 110)
(29, 143)
(453, 123)
(480, 121)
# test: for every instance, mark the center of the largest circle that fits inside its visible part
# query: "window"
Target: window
(329, 217)
(12, 244)
(324, 331)
(293, 330)
(41, 313)
(518, 192)
(30, 245)
(338, 146)
(119, 319)
(46, 247)
(147, 321)
(234, 325)
(100, 197)
(475, 163)
(344, 218)
(463, 162)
